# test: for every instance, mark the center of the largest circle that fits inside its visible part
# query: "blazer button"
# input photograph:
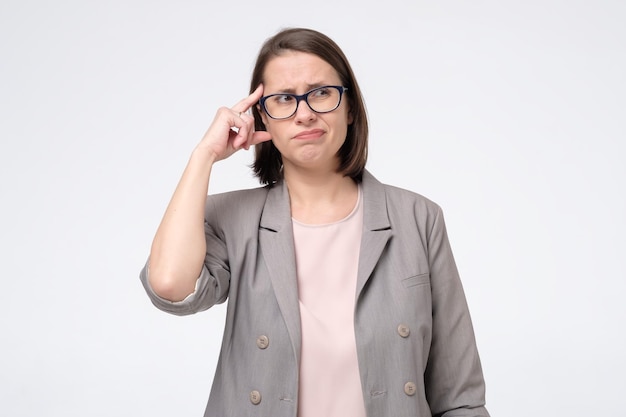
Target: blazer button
(404, 331)
(255, 397)
(262, 342)
(410, 388)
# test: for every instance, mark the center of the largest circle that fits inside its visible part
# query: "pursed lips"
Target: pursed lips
(309, 134)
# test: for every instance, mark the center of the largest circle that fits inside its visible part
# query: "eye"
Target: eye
(281, 98)
(321, 92)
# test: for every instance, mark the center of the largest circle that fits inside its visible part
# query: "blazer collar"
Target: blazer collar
(375, 215)
(276, 214)
(376, 229)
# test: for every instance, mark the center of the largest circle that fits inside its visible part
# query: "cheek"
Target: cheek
(276, 131)
(271, 129)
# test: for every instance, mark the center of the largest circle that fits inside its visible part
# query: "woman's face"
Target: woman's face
(307, 140)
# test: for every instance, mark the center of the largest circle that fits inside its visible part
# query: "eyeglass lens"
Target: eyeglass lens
(320, 100)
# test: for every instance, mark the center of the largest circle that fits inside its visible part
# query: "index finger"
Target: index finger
(245, 104)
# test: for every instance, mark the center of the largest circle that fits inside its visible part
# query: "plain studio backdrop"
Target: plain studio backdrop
(509, 114)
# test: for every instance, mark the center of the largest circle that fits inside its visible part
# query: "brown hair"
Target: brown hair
(268, 162)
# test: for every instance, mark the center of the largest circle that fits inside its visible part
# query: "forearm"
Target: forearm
(179, 246)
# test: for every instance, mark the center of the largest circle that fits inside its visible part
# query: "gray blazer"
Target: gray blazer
(415, 343)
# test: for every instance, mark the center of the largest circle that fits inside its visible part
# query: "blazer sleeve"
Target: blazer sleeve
(454, 381)
(213, 283)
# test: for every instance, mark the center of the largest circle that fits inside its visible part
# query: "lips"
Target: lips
(310, 134)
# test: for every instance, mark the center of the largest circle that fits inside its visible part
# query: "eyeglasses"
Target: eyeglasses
(321, 100)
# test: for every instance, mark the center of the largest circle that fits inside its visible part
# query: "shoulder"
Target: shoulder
(236, 205)
(237, 197)
(397, 195)
(402, 201)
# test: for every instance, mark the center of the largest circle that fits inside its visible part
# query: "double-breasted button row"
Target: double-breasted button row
(262, 342)
(409, 388)
(255, 397)
(403, 330)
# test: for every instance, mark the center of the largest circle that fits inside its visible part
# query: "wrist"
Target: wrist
(204, 155)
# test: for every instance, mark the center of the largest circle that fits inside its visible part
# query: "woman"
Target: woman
(343, 295)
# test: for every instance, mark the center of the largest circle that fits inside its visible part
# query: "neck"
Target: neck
(320, 197)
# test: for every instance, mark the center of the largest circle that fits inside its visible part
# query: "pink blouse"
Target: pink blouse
(327, 258)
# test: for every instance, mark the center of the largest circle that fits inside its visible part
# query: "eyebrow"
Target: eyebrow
(309, 88)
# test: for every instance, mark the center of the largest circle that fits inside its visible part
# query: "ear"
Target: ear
(262, 114)
(350, 115)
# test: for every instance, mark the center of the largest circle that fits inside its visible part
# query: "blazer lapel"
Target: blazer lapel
(276, 240)
(277, 248)
(376, 229)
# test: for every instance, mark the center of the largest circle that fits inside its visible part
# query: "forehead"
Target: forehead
(298, 72)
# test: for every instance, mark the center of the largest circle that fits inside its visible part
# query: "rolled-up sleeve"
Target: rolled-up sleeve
(214, 280)
(206, 294)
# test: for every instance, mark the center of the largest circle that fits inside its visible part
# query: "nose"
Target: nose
(303, 112)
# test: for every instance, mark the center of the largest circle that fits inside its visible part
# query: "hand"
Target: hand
(233, 129)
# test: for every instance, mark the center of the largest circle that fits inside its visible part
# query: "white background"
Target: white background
(509, 114)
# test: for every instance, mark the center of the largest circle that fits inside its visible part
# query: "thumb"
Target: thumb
(260, 136)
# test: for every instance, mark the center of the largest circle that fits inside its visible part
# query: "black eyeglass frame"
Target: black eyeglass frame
(303, 97)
